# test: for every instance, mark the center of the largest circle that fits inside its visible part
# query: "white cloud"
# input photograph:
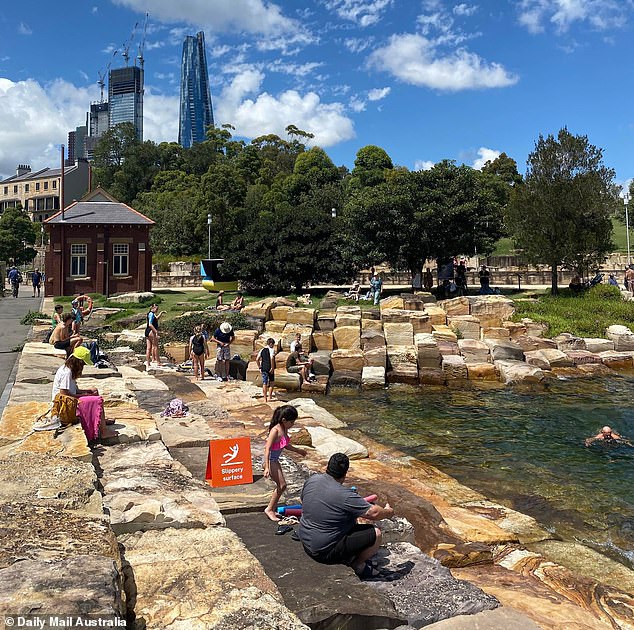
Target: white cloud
(160, 117)
(362, 12)
(24, 29)
(562, 14)
(414, 59)
(94, 10)
(358, 44)
(254, 113)
(356, 104)
(253, 16)
(423, 165)
(465, 9)
(378, 93)
(294, 69)
(485, 155)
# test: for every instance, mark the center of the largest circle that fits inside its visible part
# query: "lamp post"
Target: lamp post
(626, 199)
(209, 235)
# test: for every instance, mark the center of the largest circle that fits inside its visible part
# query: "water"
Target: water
(522, 449)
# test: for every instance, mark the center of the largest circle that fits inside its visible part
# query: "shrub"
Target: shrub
(31, 316)
(181, 328)
(605, 292)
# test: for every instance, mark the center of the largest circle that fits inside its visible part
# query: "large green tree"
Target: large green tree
(561, 214)
(17, 236)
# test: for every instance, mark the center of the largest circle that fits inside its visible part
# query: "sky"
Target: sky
(426, 80)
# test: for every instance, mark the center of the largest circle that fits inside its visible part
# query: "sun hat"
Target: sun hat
(83, 354)
(225, 327)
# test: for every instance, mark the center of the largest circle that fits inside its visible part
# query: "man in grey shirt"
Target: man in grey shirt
(328, 527)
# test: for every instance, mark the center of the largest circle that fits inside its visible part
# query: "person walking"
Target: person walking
(266, 363)
(15, 278)
(198, 350)
(152, 336)
(36, 281)
(376, 286)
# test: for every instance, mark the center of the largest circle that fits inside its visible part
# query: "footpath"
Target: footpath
(131, 532)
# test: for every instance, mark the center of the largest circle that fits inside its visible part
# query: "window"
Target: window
(15, 189)
(54, 184)
(120, 259)
(45, 185)
(26, 188)
(37, 185)
(78, 258)
(6, 190)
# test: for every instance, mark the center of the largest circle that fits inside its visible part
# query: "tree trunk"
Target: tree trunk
(554, 289)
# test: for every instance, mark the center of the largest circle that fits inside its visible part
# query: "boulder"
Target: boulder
(495, 333)
(191, 431)
(534, 329)
(244, 343)
(289, 382)
(481, 372)
(444, 333)
(375, 358)
(512, 372)
(431, 376)
(395, 316)
(303, 316)
(291, 330)
(397, 355)
(311, 412)
(583, 357)
(347, 309)
(372, 313)
(321, 362)
(492, 305)
(323, 340)
(345, 378)
(447, 347)
(253, 373)
(326, 442)
(280, 313)
(437, 316)
(454, 367)
(347, 319)
(176, 351)
(566, 342)
(455, 306)
(420, 322)
(131, 298)
(371, 324)
(275, 326)
(371, 339)
(504, 350)
(548, 358)
(413, 303)
(406, 373)
(617, 360)
(348, 337)
(325, 321)
(474, 351)
(515, 330)
(529, 342)
(622, 337)
(347, 360)
(373, 377)
(467, 326)
(261, 309)
(427, 351)
(393, 301)
(597, 345)
(398, 334)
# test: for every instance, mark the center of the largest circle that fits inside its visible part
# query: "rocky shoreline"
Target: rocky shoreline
(131, 529)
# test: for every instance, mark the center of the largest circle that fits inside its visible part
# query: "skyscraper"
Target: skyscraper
(196, 113)
(125, 97)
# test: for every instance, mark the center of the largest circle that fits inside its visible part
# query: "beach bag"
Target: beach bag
(176, 409)
(65, 408)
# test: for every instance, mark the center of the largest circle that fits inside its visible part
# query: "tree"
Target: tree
(17, 232)
(370, 167)
(561, 214)
(110, 152)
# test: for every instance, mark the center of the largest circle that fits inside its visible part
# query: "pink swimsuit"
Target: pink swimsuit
(278, 447)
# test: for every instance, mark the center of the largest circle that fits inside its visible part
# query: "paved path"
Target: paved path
(13, 334)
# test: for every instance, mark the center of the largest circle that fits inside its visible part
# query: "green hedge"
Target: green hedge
(182, 328)
(31, 316)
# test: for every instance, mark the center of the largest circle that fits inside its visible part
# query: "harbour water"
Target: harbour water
(524, 449)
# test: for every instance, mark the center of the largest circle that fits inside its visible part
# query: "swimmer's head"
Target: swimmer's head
(606, 430)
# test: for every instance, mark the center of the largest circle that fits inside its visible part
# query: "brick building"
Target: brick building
(98, 245)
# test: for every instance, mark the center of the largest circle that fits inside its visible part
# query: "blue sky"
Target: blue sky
(424, 79)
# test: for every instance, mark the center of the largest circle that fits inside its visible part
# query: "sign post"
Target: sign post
(229, 462)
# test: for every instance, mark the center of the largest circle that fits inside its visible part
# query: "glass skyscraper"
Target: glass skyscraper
(125, 98)
(196, 113)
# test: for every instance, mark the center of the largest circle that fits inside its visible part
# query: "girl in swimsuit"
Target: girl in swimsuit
(278, 440)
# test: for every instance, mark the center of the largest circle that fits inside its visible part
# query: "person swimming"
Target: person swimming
(608, 436)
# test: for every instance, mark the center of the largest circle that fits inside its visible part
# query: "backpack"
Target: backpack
(198, 344)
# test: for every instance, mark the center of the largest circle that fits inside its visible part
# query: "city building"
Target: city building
(125, 97)
(196, 113)
(39, 192)
(98, 122)
(98, 245)
(76, 145)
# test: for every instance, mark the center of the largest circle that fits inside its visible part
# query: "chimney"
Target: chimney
(22, 169)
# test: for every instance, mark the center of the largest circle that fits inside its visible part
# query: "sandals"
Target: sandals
(369, 572)
(283, 529)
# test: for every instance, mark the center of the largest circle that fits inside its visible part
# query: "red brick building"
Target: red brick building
(98, 245)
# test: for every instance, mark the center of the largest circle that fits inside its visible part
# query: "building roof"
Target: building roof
(98, 207)
(44, 173)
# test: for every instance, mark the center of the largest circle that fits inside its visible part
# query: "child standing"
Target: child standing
(266, 363)
(277, 441)
(198, 350)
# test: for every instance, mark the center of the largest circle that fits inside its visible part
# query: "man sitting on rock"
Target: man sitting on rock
(328, 527)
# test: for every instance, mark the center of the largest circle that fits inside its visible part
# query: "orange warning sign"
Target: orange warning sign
(229, 462)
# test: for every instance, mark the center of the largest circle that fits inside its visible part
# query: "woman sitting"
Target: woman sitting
(89, 404)
(238, 302)
(62, 338)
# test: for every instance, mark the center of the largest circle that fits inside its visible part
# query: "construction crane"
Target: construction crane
(142, 42)
(102, 75)
(126, 46)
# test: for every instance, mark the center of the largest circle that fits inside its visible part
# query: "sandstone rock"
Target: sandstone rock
(548, 358)
(504, 350)
(347, 360)
(518, 372)
(420, 322)
(260, 310)
(318, 386)
(498, 619)
(25, 392)
(515, 330)
(583, 357)
(371, 325)
(437, 316)
(566, 342)
(398, 355)
(348, 319)
(321, 362)
(447, 347)
(462, 554)
(134, 380)
(427, 350)
(349, 310)
(190, 431)
(373, 377)
(308, 409)
(456, 306)
(372, 313)
(325, 321)
(289, 382)
(323, 340)
(348, 337)
(597, 345)
(413, 303)
(275, 326)
(253, 373)
(495, 305)
(244, 343)
(375, 358)
(393, 301)
(176, 351)
(131, 298)
(199, 579)
(454, 367)
(617, 360)
(398, 334)
(395, 316)
(406, 373)
(303, 316)
(285, 301)
(371, 339)
(431, 376)
(326, 442)
(444, 333)
(534, 329)
(131, 337)
(481, 372)
(495, 333)
(474, 351)
(346, 378)
(467, 325)
(291, 330)
(622, 337)
(280, 313)
(529, 342)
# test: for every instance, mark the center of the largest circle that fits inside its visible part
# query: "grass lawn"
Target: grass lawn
(584, 315)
